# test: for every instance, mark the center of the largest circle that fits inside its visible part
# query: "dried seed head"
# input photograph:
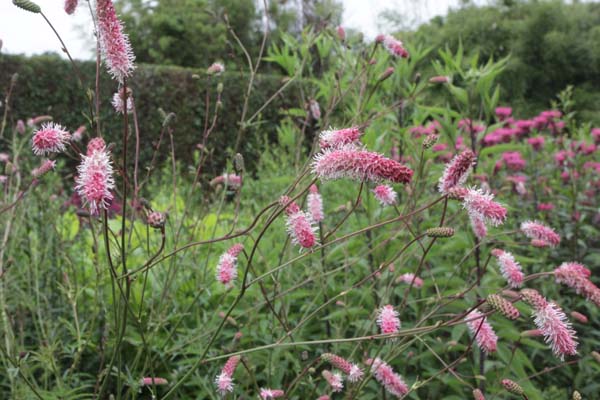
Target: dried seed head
(512, 387)
(503, 306)
(440, 232)
(28, 6)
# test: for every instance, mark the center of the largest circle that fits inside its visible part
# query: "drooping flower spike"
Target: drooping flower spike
(335, 138)
(353, 371)
(227, 266)
(224, 380)
(537, 231)
(394, 46)
(70, 6)
(299, 224)
(267, 394)
(510, 269)
(315, 204)
(387, 319)
(385, 375)
(485, 336)
(577, 277)
(114, 43)
(482, 204)
(456, 171)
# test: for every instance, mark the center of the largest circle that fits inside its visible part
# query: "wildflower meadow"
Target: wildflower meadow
(382, 224)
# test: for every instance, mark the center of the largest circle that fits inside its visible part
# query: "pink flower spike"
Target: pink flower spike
(478, 225)
(117, 102)
(50, 138)
(324, 397)
(408, 278)
(510, 269)
(153, 381)
(481, 203)
(227, 266)
(477, 395)
(336, 138)
(315, 109)
(536, 230)
(216, 68)
(315, 204)
(43, 169)
(114, 44)
(334, 380)
(271, 393)
(394, 46)
(353, 371)
(456, 172)
(386, 195)
(387, 319)
(355, 163)
(70, 6)
(385, 375)
(485, 336)
(341, 33)
(557, 330)
(94, 181)
(579, 317)
(224, 380)
(576, 276)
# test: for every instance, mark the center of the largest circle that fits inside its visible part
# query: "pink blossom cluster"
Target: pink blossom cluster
(420, 130)
(94, 181)
(227, 266)
(224, 380)
(481, 204)
(299, 224)
(339, 137)
(394, 46)
(484, 333)
(215, 68)
(70, 6)
(386, 195)
(385, 375)
(456, 171)
(315, 109)
(513, 160)
(387, 319)
(469, 126)
(117, 102)
(231, 180)
(334, 380)
(510, 269)
(410, 277)
(50, 138)
(543, 235)
(353, 372)
(577, 277)
(315, 204)
(114, 43)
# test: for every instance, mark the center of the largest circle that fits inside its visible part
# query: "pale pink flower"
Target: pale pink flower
(385, 375)
(409, 277)
(503, 113)
(478, 395)
(50, 138)
(478, 225)
(539, 243)
(576, 276)
(386, 195)
(231, 180)
(334, 380)
(394, 46)
(485, 336)
(153, 381)
(334, 138)
(457, 171)
(341, 33)
(39, 120)
(43, 169)
(557, 330)
(510, 269)
(481, 203)
(78, 134)
(299, 225)
(224, 380)
(227, 266)
(70, 6)
(21, 126)
(271, 393)
(315, 204)
(537, 230)
(315, 110)
(387, 319)
(353, 371)
(355, 163)
(4, 157)
(94, 181)
(582, 318)
(114, 44)
(215, 69)
(117, 102)
(439, 79)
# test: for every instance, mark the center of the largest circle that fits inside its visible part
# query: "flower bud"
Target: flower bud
(238, 163)
(28, 6)
(440, 232)
(503, 306)
(430, 140)
(156, 220)
(512, 387)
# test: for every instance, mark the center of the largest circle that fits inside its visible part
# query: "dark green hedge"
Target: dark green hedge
(48, 85)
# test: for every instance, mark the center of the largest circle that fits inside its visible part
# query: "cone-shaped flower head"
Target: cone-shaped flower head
(335, 138)
(503, 306)
(50, 138)
(485, 336)
(482, 204)
(353, 371)
(224, 380)
(315, 204)
(334, 380)
(227, 266)
(299, 224)
(70, 6)
(538, 231)
(510, 269)
(387, 319)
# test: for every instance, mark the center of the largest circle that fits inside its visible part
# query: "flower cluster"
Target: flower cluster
(94, 181)
(50, 138)
(227, 266)
(299, 224)
(385, 375)
(484, 333)
(577, 277)
(394, 46)
(353, 371)
(224, 380)
(510, 269)
(114, 44)
(386, 195)
(539, 232)
(315, 204)
(387, 319)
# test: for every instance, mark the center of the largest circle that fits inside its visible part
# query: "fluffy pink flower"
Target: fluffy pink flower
(50, 138)
(153, 381)
(224, 380)
(299, 224)
(503, 113)
(536, 230)
(95, 181)
(394, 46)
(386, 195)
(334, 380)
(334, 138)
(114, 44)
(457, 171)
(485, 336)
(117, 102)
(510, 269)
(557, 330)
(227, 266)
(385, 375)
(576, 276)
(482, 204)
(315, 109)
(271, 393)
(478, 225)
(387, 319)
(353, 371)
(78, 134)
(70, 6)
(43, 169)
(315, 204)
(408, 278)
(537, 142)
(215, 69)
(513, 160)
(355, 163)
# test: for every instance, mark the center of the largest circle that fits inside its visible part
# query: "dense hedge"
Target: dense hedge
(48, 85)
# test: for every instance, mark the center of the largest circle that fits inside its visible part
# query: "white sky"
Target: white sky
(24, 32)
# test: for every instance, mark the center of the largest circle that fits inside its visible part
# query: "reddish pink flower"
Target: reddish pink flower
(78, 134)
(513, 160)
(579, 317)
(503, 113)
(315, 204)
(386, 195)
(94, 181)
(410, 277)
(478, 225)
(50, 138)
(557, 330)
(351, 162)
(394, 46)
(70, 6)
(341, 33)
(334, 380)
(387, 319)
(576, 276)
(117, 102)
(340, 137)
(353, 371)
(271, 393)
(545, 207)
(224, 380)
(485, 336)
(539, 243)
(299, 224)
(215, 69)
(324, 397)
(538, 231)
(43, 169)
(385, 375)
(510, 269)
(114, 44)
(456, 171)
(153, 381)
(482, 204)
(227, 266)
